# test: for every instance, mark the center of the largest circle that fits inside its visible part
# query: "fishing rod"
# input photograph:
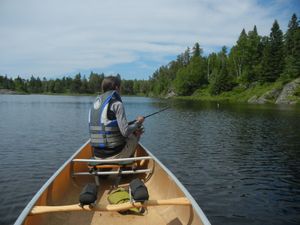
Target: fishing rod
(131, 122)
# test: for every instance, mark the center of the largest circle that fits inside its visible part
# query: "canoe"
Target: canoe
(169, 201)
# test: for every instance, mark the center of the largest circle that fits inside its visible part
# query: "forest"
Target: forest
(254, 59)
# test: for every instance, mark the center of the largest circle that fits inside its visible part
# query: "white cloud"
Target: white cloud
(58, 37)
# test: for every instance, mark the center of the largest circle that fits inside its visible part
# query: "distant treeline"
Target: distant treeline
(254, 59)
(77, 85)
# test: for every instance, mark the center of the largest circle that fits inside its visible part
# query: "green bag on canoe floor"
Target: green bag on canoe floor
(119, 196)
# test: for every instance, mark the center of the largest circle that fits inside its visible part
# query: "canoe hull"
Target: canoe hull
(63, 189)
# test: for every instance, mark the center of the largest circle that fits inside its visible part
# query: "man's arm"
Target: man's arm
(126, 130)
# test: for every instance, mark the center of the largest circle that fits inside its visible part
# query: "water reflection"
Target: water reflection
(240, 162)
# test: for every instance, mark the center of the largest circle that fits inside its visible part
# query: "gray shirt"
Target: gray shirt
(118, 109)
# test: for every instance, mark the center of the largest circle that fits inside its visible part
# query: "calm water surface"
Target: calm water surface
(240, 162)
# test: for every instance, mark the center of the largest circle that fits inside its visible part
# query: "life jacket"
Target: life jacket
(104, 131)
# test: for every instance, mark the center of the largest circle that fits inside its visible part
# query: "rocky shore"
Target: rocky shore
(7, 92)
(285, 95)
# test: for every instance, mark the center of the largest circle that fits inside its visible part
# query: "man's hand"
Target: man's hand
(139, 131)
(140, 119)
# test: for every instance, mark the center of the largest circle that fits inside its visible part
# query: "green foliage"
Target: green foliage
(221, 81)
(189, 78)
(78, 85)
(6, 83)
(34, 85)
(95, 81)
(245, 56)
(297, 92)
(20, 85)
(289, 36)
(197, 51)
(127, 87)
(273, 55)
(237, 94)
(254, 58)
(292, 50)
(58, 87)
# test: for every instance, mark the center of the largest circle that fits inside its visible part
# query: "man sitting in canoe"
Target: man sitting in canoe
(111, 135)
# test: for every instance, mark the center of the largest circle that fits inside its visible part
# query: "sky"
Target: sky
(134, 38)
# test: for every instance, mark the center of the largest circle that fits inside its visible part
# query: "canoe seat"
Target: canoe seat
(102, 165)
(96, 167)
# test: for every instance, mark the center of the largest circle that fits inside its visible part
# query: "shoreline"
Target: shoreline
(278, 93)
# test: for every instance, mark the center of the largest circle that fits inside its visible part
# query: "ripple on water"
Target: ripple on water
(240, 163)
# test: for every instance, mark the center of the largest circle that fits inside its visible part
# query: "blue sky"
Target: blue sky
(130, 37)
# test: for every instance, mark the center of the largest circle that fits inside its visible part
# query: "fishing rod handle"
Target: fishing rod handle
(131, 122)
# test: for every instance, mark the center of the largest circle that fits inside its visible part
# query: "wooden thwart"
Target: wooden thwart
(118, 207)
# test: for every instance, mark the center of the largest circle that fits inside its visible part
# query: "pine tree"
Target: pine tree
(197, 51)
(290, 34)
(32, 85)
(58, 87)
(20, 84)
(238, 53)
(292, 49)
(296, 54)
(189, 78)
(254, 55)
(38, 85)
(222, 80)
(84, 86)
(186, 57)
(76, 84)
(273, 56)
(45, 85)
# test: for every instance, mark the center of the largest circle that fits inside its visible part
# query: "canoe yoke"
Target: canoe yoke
(102, 167)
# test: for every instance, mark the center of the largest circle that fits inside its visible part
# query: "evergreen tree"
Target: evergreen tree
(197, 51)
(222, 81)
(238, 53)
(76, 84)
(45, 85)
(190, 78)
(292, 60)
(290, 35)
(127, 87)
(51, 86)
(254, 55)
(186, 57)
(212, 62)
(20, 84)
(32, 85)
(7, 83)
(273, 56)
(38, 85)
(296, 52)
(84, 86)
(58, 87)
(95, 81)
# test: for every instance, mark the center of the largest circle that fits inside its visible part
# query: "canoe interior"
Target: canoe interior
(65, 190)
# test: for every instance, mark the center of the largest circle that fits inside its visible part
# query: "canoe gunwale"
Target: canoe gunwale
(112, 160)
(195, 205)
(26, 211)
(20, 220)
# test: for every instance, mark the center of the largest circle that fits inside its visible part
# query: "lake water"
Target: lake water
(241, 163)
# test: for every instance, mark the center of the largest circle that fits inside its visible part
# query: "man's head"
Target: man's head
(111, 83)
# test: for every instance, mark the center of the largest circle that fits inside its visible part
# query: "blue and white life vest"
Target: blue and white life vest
(104, 133)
